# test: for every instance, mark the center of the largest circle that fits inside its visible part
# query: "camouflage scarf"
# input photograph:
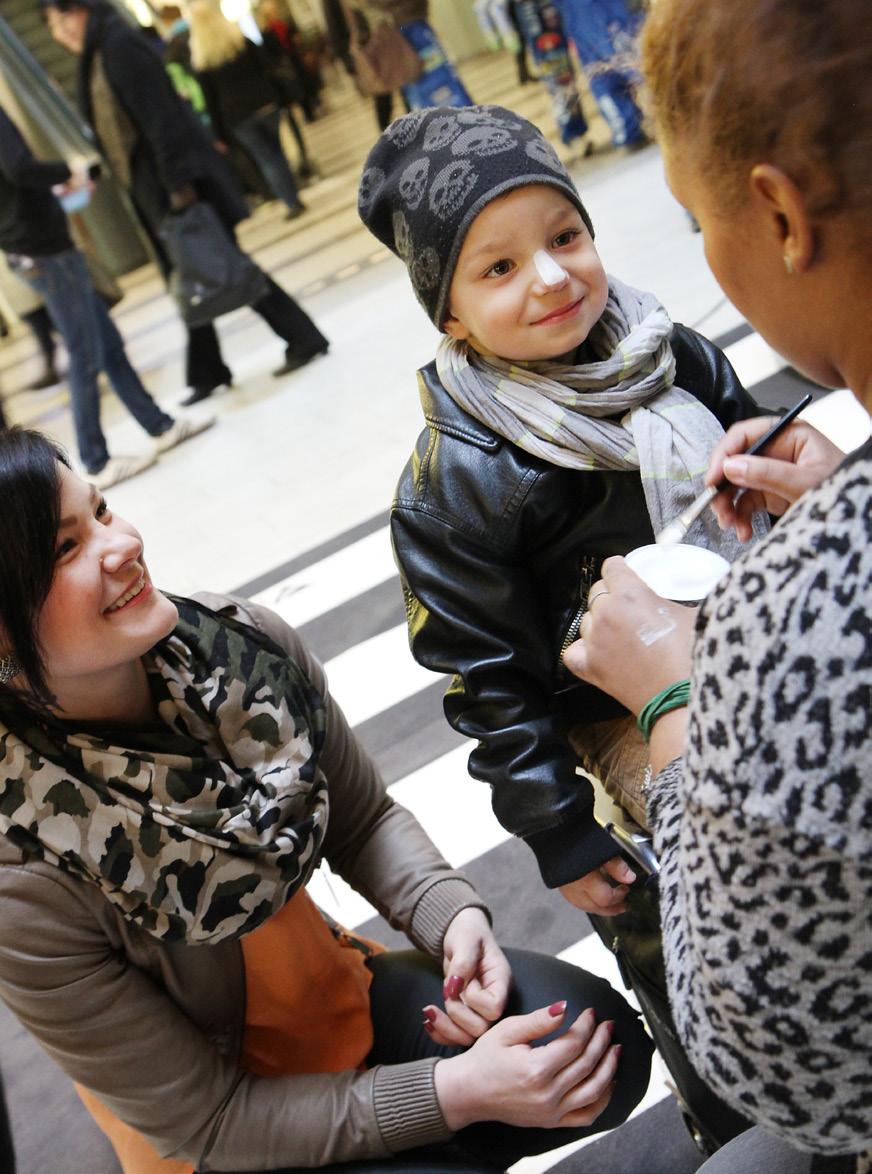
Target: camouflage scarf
(202, 826)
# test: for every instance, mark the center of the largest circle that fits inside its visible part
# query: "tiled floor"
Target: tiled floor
(286, 498)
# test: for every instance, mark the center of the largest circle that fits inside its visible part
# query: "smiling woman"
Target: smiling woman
(171, 772)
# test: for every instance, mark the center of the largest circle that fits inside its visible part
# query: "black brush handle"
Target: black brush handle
(758, 446)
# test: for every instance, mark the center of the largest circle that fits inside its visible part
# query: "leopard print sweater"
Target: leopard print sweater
(764, 828)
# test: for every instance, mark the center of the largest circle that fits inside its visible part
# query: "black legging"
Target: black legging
(7, 1153)
(406, 981)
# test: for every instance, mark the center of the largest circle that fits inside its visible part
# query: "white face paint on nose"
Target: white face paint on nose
(549, 271)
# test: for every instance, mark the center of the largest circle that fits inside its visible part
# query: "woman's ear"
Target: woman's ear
(456, 329)
(784, 204)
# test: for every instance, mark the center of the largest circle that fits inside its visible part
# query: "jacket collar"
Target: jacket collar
(443, 414)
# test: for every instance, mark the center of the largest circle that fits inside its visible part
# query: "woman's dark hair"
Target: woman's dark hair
(30, 502)
(787, 82)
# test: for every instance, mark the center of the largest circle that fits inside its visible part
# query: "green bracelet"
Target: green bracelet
(672, 697)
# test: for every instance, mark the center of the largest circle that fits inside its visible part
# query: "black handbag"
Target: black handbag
(210, 273)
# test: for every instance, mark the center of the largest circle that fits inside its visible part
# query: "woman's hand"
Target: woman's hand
(562, 1084)
(632, 642)
(477, 980)
(796, 460)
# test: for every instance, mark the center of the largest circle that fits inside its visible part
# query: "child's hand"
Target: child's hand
(477, 980)
(593, 893)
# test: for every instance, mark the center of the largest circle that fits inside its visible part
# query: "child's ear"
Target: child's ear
(456, 329)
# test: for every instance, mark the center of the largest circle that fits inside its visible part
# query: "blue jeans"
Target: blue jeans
(94, 345)
(259, 134)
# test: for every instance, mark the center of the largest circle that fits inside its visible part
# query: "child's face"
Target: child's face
(499, 301)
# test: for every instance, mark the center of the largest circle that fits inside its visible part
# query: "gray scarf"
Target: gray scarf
(621, 412)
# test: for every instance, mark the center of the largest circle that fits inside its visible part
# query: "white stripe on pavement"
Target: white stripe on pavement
(339, 578)
(376, 674)
(753, 360)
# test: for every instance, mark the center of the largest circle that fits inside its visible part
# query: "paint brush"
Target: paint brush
(678, 527)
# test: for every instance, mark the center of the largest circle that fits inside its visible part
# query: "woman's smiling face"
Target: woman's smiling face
(499, 301)
(102, 612)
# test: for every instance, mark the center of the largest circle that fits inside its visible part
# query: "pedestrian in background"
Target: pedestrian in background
(241, 96)
(160, 152)
(35, 238)
(604, 34)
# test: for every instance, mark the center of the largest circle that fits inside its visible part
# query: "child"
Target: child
(567, 420)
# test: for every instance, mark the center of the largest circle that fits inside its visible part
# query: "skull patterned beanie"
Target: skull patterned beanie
(432, 172)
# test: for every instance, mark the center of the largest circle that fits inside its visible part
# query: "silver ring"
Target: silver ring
(592, 600)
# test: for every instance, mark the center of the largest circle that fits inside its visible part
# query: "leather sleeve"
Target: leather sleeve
(473, 612)
(705, 371)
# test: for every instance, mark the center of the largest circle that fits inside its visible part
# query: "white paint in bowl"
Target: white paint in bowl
(677, 570)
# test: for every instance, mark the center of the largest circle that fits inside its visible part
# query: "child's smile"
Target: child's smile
(499, 300)
(561, 314)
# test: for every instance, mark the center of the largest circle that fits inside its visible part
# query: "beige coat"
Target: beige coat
(154, 1029)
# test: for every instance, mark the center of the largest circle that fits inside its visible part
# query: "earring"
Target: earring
(9, 668)
(788, 264)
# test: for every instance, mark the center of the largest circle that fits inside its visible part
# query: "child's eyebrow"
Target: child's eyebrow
(500, 246)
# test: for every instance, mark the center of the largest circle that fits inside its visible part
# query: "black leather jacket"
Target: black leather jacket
(497, 550)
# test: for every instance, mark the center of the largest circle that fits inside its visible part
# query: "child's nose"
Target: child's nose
(550, 273)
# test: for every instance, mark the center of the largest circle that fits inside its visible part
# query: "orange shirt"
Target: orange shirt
(306, 1010)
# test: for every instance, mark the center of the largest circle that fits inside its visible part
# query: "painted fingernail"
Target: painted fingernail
(453, 987)
(557, 1009)
(429, 1014)
(609, 1025)
(617, 1049)
(428, 1026)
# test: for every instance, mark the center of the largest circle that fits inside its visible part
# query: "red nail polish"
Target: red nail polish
(557, 1009)
(609, 1025)
(617, 1049)
(428, 1026)
(453, 987)
(429, 1014)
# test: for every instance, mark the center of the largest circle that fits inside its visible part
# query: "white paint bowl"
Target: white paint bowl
(677, 570)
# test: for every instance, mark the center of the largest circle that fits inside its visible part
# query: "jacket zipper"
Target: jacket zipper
(589, 565)
(572, 633)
